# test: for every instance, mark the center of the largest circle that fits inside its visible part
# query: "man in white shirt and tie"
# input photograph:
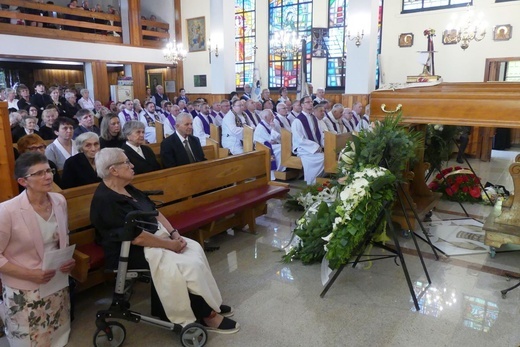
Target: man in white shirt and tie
(201, 124)
(308, 140)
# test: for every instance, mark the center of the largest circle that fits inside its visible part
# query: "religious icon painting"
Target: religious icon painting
(196, 34)
(405, 40)
(449, 37)
(319, 45)
(502, 32)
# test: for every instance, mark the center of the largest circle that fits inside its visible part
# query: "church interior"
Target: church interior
(444, 62)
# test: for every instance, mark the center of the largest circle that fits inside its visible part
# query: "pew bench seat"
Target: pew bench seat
(209, 219)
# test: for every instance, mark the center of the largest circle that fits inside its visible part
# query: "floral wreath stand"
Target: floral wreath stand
(384, 214)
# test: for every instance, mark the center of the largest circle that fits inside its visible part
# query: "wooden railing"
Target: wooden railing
(60, 22)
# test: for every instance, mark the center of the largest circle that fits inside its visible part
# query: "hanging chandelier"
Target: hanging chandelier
(469, 28)
(286, 43)
(174, 52)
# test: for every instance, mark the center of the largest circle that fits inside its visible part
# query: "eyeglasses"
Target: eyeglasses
(41, 173)
(127, 162)
(36, 148)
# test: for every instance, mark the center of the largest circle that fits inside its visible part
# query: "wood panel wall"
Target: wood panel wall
(100, 79)
(9, 187)
(59, 77)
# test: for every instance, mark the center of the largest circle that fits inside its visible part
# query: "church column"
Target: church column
(222, 25)
(131, 22)
(361, 60)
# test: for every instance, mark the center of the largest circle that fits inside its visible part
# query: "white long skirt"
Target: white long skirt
(177, 274)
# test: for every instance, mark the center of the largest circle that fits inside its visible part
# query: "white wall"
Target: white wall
(451, 62)
(22, 46)
(196, 63)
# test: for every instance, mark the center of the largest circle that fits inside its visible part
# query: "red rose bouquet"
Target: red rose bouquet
(458, 185)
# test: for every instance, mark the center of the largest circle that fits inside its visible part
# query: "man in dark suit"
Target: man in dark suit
(181, 147)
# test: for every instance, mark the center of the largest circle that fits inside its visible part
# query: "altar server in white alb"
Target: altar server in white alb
(364, 123)
(201, 123)
(335, 122)
(357, 109)
(148, 117)
(127, 113)
(280, 118)
(266, 133)
(308, 140)
(233, 129)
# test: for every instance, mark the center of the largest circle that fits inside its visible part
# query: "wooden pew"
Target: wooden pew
(334, 143)
(249, 147)
(159, 132)
(195, 205)
(289, 160)
(248, 139)
(216, 135)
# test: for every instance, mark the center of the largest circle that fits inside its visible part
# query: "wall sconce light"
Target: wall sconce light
(212, 49)
(356, 38)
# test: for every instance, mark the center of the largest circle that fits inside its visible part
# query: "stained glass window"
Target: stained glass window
(336, 44)
(427, 5)
(379, 32)
(245, 41)
(290, 16)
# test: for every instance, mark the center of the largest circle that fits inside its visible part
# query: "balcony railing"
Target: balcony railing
(58, 22)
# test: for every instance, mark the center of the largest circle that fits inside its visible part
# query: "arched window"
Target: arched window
(336, 44)
(291, 16)
(245, 41)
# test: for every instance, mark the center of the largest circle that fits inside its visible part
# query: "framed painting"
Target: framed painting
(200, 81)
(154, 80)
(196, 34)
(449, 37)
(502, 32)
(405, 40)
(319, 45)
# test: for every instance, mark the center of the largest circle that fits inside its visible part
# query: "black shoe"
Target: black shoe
(226, 311)
(228, 326)
(460, 161)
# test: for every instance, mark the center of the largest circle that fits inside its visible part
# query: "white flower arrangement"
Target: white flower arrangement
(353, 194)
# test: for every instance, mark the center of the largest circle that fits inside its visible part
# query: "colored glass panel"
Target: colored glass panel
(245, 41)
(291, 16)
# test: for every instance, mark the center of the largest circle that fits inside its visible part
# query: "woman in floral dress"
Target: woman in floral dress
(31, 224)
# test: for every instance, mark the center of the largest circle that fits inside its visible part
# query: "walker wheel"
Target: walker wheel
(117, 332)
(194, 335)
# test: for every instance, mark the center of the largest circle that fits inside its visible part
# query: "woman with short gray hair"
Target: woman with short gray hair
(27, 127)
(142, 157)
(85, 101)
(197, 296)
(80, 169)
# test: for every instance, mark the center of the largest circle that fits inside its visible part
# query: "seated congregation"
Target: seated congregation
(104, 172)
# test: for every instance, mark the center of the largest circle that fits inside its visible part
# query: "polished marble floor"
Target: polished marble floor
(278, 304)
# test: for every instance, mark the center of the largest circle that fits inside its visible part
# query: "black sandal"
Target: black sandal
(226, 311)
